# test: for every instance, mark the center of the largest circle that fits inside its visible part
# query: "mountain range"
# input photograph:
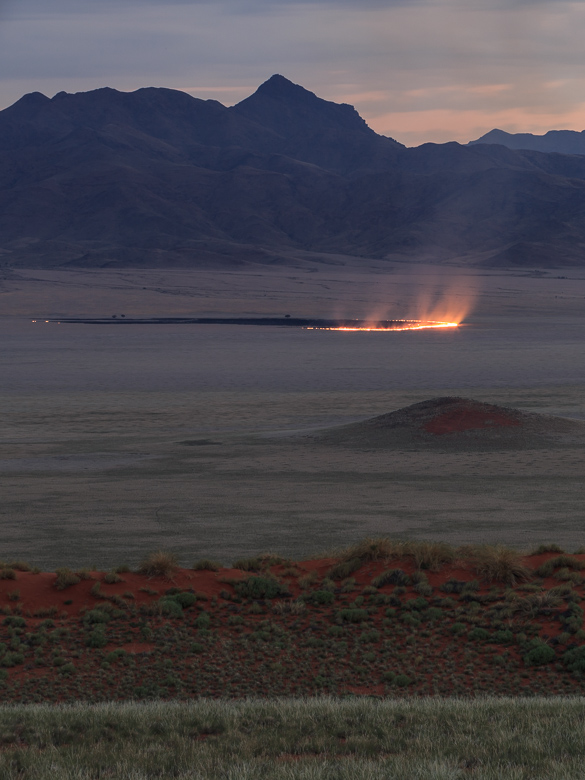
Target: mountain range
(157, 178)
(559, 141)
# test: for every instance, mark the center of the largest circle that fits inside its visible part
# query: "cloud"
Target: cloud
(415, 69)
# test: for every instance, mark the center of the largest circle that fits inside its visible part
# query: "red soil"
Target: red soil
(469, 417)
(238, 655)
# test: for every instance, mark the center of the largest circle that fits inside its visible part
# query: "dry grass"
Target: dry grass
(296, 607)
(370, 549)
(206, 565)
(297, 739)
(159, 564)
(65, 578)
(496, 563)
(547, 547)
(535, 603)
(429, 555)
(425, 555)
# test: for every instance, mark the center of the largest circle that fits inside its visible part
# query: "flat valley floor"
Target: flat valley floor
(121, 439)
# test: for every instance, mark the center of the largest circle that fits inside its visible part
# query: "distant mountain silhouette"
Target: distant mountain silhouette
(156, 178)
(559, 141)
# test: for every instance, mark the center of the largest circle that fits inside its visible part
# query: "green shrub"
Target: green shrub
(260, 588)
(7, 573)
(458, 628)
(116, 655)
(547, 548)
(65, 579)
(547, 568)
(184, 599)
(574, 660)
(410, 619)
(417, 604)
(424, 589)
(402, 680)
(196, 647)
(112, 577)
(503, 637)
(15, 622)
(344, 569)
(453, 586)
(352, 615)
(20, 566)
(541, 654)
(391, 577)
(68, 669)
(248, 564)
(206, 565)
(170, 608)
(432, 614)
(369, 636)
(320, 597)
(203, 621)
(478, 634)
(96, 616)
(97, 638)
(12, 659)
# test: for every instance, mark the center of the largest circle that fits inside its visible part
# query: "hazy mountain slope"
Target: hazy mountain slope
(156, 177)
(559, 141)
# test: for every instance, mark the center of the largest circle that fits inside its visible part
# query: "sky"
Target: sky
(416, 70)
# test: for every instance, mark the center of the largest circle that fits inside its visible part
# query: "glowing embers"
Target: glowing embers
(390, 326)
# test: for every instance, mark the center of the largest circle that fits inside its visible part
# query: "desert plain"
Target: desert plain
(121, 439)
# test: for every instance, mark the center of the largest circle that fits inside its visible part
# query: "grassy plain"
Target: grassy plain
(298, 739)
(131, 440)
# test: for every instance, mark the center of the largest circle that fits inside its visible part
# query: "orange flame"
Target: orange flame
(405, 325)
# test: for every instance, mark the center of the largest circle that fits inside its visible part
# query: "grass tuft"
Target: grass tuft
(20, 566)
(547, 547)
(496, 563)
(111, 577)
(159, 564)
(429, 555)
(206, 565)
(65, 578)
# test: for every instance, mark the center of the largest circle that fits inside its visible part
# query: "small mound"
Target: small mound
(470, 415)
(460, 423)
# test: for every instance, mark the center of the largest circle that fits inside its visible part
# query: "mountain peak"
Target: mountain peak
(279, 86)
(288, 108)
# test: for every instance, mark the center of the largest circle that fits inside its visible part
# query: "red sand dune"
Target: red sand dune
(467, 416)
(447, 631)
(456, 423)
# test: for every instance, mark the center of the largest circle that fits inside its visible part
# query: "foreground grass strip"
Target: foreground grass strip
(430, 739)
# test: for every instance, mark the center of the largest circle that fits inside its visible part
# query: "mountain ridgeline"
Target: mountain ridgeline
(157, 178)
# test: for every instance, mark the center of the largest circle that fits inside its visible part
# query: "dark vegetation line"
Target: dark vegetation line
(289, 322)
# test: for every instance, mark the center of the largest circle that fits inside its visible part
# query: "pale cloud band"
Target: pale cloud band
(417, 70)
